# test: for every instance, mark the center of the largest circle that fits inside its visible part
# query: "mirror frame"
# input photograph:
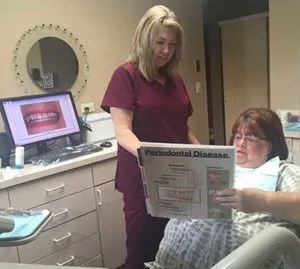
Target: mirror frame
(29, 38)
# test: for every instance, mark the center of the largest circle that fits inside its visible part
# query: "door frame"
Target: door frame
(263, 15)
(213, 12)
(240, 21)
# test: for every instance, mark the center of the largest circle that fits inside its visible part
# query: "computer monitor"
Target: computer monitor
(36, 119)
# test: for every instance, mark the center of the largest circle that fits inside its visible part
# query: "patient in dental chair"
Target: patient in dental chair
(266, 193)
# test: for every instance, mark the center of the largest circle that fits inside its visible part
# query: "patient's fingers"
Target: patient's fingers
(226, 199)
(247, 200)
(229, 198)
(226, 192)
(231, 205)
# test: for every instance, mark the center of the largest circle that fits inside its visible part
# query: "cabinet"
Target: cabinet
(293, 144)
(110, 215)
(7, 254)
(87, 228)
(111, 224)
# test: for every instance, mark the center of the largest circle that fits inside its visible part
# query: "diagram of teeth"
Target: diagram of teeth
(41, 117)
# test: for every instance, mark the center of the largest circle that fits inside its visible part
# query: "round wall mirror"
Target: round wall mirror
(50, 58)
(52, 64)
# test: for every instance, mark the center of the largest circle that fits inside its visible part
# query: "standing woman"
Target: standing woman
(148, 102)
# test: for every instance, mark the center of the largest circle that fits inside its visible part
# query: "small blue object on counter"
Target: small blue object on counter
(19, 157)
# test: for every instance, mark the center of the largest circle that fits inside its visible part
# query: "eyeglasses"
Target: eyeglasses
(247, 138)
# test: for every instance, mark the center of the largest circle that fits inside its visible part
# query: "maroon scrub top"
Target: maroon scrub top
(160, 114)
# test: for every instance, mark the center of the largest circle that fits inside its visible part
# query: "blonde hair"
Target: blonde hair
(143, 42)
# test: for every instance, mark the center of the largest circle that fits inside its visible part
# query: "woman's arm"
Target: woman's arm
(191, 137)
(122, 120)
(284, 205)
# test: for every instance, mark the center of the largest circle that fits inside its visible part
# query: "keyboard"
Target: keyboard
(64, 154)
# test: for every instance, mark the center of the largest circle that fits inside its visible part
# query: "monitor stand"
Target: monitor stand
(41, 147)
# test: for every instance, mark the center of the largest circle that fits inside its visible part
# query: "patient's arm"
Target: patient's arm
(284, 205)
(248, 200)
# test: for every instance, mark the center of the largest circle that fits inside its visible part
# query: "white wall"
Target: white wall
(105, 28)
(284, 54)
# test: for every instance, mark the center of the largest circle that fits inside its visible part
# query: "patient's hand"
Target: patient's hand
(248, 200)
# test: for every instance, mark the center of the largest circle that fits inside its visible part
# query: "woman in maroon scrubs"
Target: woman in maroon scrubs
(148, 101)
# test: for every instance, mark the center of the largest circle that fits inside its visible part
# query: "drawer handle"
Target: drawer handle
(56, 188)
(72, 258)
(68, 235)
(65, 211)
(100, 200)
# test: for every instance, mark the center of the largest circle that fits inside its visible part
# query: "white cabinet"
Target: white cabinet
(7, 254)
(296, 151)
(74, 227)
(95, 262)
(293, 144)
(87, 228)
(76, 254)
(110, 215)
(59, 238)
(289, 142)
(4, 202)
(111, 225)
(51, 188)
(70, 207)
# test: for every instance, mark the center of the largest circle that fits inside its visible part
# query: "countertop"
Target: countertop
(32, 172)
(36, 266)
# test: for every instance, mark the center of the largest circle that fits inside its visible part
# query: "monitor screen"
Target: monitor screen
(38, 118)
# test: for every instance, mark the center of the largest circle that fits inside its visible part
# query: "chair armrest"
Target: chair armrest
(263, 246)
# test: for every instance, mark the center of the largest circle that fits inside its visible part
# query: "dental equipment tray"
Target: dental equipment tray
(27, 226)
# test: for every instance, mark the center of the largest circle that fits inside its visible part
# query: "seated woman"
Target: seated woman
(259, 200)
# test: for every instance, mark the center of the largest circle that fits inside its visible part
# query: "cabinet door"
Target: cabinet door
(111, 225)
(296, 151)
(289, 142)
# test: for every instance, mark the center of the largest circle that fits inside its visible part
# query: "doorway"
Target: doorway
(244, 48)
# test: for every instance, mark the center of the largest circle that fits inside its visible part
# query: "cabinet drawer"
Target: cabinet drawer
(4, 202)
(50, 188)
(77, 254)
(70, 207)
(9, 254)
(59, 238)
(104, 171)
(95, 262)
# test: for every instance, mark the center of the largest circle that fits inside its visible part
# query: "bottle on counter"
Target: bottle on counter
(19, 157)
